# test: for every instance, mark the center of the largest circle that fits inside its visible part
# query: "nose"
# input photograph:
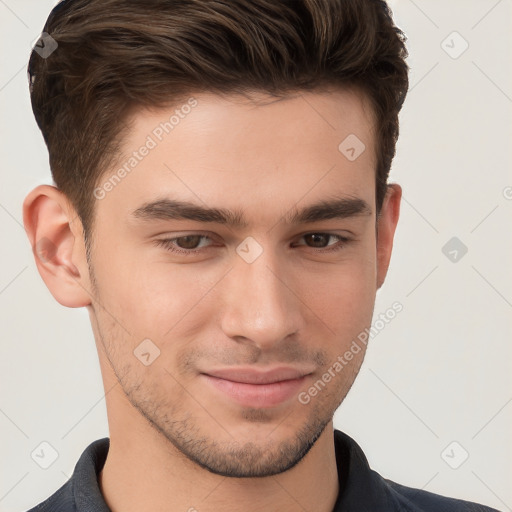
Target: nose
(260, 305)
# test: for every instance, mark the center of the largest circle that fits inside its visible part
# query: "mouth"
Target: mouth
(257, 389)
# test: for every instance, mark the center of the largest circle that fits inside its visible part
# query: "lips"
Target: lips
(257, 388)
(253, 376)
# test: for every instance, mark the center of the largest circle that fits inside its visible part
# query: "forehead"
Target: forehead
(258, 116)
(235, 151)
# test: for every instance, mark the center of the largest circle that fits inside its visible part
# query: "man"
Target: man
(222, 210)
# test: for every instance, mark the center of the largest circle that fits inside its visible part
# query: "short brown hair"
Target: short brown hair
(114, 56)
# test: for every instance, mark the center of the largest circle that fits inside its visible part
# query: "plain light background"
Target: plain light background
(436, 382)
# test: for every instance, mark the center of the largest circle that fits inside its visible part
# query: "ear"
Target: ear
(56, 235)
(386, 225)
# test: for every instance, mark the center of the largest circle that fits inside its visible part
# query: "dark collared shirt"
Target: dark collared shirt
(361, 488)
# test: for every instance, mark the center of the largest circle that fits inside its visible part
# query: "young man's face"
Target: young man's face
(248, 316)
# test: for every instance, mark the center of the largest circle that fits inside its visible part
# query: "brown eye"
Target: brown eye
(322, 242)
(189, 241)
(318, 240)
(185, 245)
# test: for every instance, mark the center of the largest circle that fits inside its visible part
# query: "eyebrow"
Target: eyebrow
(170, 209)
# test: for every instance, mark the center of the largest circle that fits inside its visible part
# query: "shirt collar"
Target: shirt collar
(361, 488)
(86, 488)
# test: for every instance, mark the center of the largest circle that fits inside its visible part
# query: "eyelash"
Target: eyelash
(167, 243)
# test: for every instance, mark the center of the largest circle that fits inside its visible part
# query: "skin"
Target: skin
(177, 442)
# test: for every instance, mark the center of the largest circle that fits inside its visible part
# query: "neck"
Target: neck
(145, 472)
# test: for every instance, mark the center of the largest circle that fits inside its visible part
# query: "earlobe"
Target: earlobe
(55, 234)
(386, 226)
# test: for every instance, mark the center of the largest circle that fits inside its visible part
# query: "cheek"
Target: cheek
(344, 296)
